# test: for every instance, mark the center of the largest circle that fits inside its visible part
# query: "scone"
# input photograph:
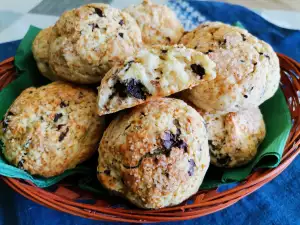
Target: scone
(50, 129)
(248, 71)
(158, 23)
(234, 137)
(86, 42)
(40, 50)
(155, 72)
(155, 155)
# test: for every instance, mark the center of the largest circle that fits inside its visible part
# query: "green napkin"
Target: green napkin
(28, 76)
(275, 111)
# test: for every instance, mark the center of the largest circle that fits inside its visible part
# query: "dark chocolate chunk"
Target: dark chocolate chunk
(10, 114)
(209, 51)
(164, 51)
(120, 88)
(63, 134)
(20, 164)
(136, 89)
(169, 140)
(182, 145)
(244, 37)
(80, 95)
(191, 168)
(121, 35)
(60, 126)
(198, 69)
(224, 160)
(245, 96)
(63, 104)
(57, 116)
(128, 65)
(94, 26)
(99, 12)
(107, 172)
(121, 22)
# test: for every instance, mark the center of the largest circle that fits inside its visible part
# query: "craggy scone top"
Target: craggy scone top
(158, 23)
(86, 42)
(50, 129)
(156, 155)
(248, 71)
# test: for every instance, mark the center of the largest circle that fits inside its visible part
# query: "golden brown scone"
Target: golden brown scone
(50, 129)
(248, 71)
(40, 50)
(155, 155)
(86, 42)
(155, 72)
(158, 23)
(234, 137)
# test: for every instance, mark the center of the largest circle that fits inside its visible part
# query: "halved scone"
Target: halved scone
(156, 72)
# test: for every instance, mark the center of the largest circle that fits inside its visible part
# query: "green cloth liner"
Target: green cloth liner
(275, 111)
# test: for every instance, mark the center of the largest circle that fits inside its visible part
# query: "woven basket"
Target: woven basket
(66, 199)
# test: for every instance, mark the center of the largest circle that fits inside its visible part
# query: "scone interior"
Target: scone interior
(234, 137)
(158, 23)
(155, 72)
(50, 129)
(156, 155)
(248, 71)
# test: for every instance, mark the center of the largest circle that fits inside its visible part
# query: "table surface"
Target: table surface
(275, 203)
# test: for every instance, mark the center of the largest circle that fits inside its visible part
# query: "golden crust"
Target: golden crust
(248, 70)
(40, 50)
(156, 155)
(86, 42)
(50, 129)
(234, 137)
(158, 23)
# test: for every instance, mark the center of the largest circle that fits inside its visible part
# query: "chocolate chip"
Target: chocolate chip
(198, 69)
(63, 104)
(99, 12)
(169, 39)
(169, 140)
(63, 134)
(128, 65)
(242, 61)
(57, 116)
(121, 35)
(182, 145)
(107, 172)
(255, 63)
(223, 42)
(267, 56)
(224, 160)
(164, 51)
(136, 89)
(10, 114)
(245, 96)
(80, 95)
(121, 22)
(191, 168)
(244, 37)
(196, 47)
(209, 51)
(120, 88)
(94, 26)
(60, 126)
(20, 164)
(251, 88)
(261, 53)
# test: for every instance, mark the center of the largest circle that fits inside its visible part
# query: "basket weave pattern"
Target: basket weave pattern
(204, 202)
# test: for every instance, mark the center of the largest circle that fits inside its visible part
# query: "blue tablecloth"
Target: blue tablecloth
(278, 202)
